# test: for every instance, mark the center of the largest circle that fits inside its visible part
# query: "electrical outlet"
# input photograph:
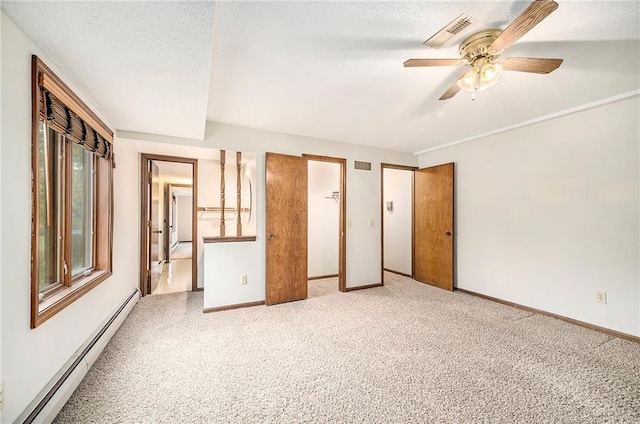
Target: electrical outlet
(371, 223)
(601, 297)
(243, 279)
(1, 396)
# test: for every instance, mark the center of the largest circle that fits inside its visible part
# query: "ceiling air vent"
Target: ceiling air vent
(447, 33)
(365, 166)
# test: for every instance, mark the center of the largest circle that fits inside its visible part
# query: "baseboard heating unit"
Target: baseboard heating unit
(52, 398)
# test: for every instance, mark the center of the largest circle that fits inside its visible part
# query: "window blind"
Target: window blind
(67, 115)
(65, 121)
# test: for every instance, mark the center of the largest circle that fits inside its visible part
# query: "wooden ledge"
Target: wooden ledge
(228, 239)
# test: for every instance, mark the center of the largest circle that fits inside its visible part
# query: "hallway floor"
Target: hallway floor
(181, 251)
(175, 277)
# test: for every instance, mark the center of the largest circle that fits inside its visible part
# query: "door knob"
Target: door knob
(270, 236)
(448, 234)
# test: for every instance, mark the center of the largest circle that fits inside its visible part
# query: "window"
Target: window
(72, 161)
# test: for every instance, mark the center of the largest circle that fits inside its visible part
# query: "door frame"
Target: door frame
(342, 243)
(384, 166)
(145, 160)
(167, 206)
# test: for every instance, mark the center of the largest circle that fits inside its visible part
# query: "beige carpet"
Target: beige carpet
(322, 287)
(402, 353)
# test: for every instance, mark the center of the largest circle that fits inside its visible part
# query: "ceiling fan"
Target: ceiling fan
(481, 51)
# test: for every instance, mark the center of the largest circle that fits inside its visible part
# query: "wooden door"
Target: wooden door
(154, 226)
(286, 229)
(433, 226)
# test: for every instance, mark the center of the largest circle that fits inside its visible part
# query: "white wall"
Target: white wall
(1, 222)
(128, 160)
(323, 218)
(363, 187)
(161, 206)
(363, 193)
(30, 358)
(184, 209)
(208, 196)
(170, 173)
(397, 222)
(546, 215)
(224, 264)
(174, 230)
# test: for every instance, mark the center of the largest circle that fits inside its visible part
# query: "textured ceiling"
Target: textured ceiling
(145, 65)
(334, 70)
(175, 172)
(329, 70)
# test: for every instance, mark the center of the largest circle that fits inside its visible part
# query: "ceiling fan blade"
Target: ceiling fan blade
(532, 16)
(432, 62)
(452, 91)
(530, 64)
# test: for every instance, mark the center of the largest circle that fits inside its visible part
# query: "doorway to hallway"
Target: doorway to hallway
(168, 207)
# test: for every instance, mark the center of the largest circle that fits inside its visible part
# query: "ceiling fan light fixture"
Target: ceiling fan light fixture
(490, 73)
(469, 81)
(483, 76)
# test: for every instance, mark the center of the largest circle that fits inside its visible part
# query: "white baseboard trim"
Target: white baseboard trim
(57, 392)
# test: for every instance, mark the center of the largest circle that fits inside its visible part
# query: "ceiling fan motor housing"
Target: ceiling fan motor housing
(477, 46)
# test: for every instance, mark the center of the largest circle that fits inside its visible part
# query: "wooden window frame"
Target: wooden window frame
(70, 288)
(68, 279)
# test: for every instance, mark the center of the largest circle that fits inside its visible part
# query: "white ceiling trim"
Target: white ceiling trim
(158, 138)
(543, 118)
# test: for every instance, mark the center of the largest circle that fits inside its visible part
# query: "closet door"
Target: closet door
(433, 230)
(286, 228)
